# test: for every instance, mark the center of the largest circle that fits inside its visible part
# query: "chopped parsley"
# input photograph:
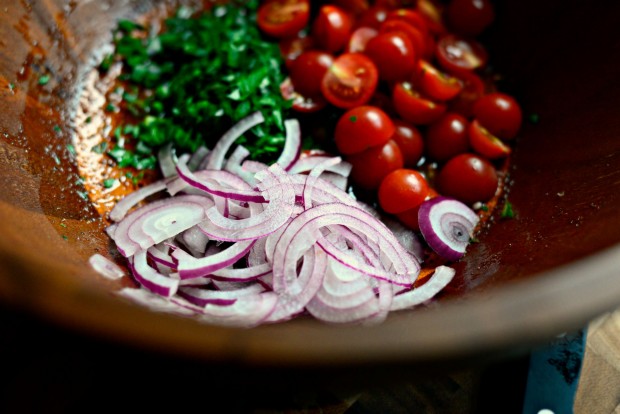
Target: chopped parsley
(507, 211)
(198, 77)
(100, 148)
(353, 118)
(534, 118)
(109, 183)
(44, 80)
(12, 86)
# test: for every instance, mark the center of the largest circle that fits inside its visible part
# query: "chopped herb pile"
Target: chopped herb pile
(194, 80)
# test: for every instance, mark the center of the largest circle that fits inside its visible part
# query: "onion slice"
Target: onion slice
(447, 226)
(439, 280)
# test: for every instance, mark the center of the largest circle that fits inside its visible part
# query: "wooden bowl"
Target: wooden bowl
(551, 269)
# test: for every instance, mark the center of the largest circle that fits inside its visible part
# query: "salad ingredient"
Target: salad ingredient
(447, 226)
(409, 140)
(350, 81)
(283, 18)
(305, 245)
(485, 143)
(361, 128)
(469, 17)
(457, 54)
(415, 36)
(500, 114)
(393, 54)
(307, 72)
(331, 28)
(402, 190)
(447, 137)
(372, 165)
(413, 107)
(199, 76)
(435, 84)
(359, 39)
(468, 178)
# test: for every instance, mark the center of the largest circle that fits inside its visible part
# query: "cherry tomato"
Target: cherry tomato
(447, 137)
(432, 11)
(395, 4)
(436, 84)
(410, 217)
(401, 190)
(372, 17)
(331, 28)
(359, 38)
(500, 114)
(361, 128)
(473, 90)
(412, 17)
(414, 108)
(416, 37)
(356, 7)
(457, 54)
(485, 143)
(301, 103)
(283, 18)
(372, 165)
(292, 47)
(350, 81)
(469, 17)
(409, 140)
(468, 178)
(308, 70)
(393, 55)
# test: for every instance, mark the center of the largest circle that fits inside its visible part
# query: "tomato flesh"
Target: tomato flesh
(485, 143)
(435, 84)
(283, 18)
(359, 39)
(457, 54)
(413, 107)
(301, 103)
(350, 81)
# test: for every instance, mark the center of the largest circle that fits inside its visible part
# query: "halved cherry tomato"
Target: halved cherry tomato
(447, 137)
(350, 81)
(361, 128)
(436, 84)
(356, 7)
(393, 55)
(331, 28)
(292, 47)
(412, 17)
(468, 178)
(432, 11)
(372, 165)
(485, 143)
(283, 18)
(413, 107)
(308, 70)
(410, 142)
(301, 103)
(469, 17)
(372, 17)
(416, 37)
(401, 190)
(457, 54)
(500, 114)
(359, 38)
(472, 91)
(410, 217)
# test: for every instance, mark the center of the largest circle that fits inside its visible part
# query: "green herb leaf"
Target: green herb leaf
(507, 211)
(109, 183)
(44, 80)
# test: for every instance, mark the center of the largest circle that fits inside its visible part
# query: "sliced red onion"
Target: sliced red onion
(216, 160)
(233, 165)
(159, 221)
(253, 166)
(313, 176)
(167, 161)
(447, 226)
(158, 303)
(202, 297)
(131, 200)
(246, 312)
(195, 239)
(190, 267)
(150, 278)
(197, 158)
(105, 267)
(439, 280)
(292, 144)
(307, 164)
(161, 259)
(213, 187)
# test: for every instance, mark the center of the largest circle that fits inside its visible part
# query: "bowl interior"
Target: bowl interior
(550, 269)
